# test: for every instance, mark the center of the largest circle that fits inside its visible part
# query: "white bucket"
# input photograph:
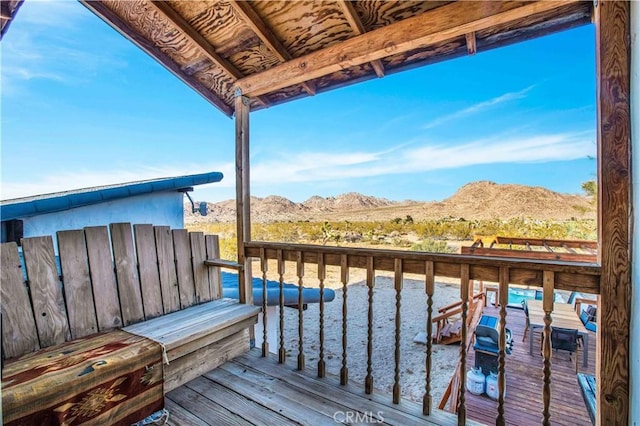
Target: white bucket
(475, 381)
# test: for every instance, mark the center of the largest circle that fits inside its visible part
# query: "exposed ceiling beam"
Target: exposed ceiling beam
(255, 22)
(111, 18)
(196, 38)
(434, 26)
(471, 43)
(358, 28)
(8, 11)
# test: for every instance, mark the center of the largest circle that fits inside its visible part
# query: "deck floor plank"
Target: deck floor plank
(255, 390)
(523, 399)
(248, 409)
(205, 409)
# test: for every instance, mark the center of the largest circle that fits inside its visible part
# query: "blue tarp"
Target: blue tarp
(290, 291)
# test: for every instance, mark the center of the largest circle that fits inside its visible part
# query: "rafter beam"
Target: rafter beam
(358, 28)
(249, 16)
(196, 38)
(471, 43)
(440, 24)
(111, 18)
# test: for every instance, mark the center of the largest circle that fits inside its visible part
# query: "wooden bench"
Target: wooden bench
(587, 385)
(152, 282)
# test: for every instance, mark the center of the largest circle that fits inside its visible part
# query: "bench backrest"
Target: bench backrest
(106, 278)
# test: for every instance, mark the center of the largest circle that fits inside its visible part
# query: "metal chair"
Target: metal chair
(565, 339)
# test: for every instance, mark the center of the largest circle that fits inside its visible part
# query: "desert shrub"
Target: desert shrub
(433, 246)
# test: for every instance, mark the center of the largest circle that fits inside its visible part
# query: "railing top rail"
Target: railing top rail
(494, 261)
(572, 276)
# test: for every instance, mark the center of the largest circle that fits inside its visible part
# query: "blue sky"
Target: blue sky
(81, 106)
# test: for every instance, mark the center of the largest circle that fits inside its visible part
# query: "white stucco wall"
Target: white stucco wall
(634, 370)
(160, 208)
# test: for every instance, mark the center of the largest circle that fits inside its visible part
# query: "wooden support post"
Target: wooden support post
(243, 207)
(614, 210)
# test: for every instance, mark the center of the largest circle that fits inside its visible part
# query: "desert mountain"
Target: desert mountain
(476, 200)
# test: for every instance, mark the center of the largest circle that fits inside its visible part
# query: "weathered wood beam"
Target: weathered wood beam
(8, 11)
(614, 210)
(114, 20)
(522, 254)
(196, 38)
(439, 24)
(249, 16)
(583, 244)
(471, 43)
(243, 198)
(358, 28)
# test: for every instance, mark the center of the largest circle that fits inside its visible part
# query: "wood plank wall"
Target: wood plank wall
(107, 279)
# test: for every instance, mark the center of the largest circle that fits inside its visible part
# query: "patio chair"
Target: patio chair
(565, 339)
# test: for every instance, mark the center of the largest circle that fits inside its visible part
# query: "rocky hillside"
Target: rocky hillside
(476, 200)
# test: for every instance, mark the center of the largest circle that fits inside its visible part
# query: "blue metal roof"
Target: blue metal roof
(59, 201)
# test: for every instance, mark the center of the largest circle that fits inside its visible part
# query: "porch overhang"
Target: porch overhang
(278, 51)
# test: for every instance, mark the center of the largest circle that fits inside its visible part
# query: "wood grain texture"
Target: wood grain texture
(124, 23)
(103, 278)
(46, 293)
(200, 271)
(126, 273)
(212, 243)
(298, 24)
(205, 359)
(614, 210)
(148, 270)
(19, 333)
(437, 25)
(569, 275)
(167, 269)
(74, 263)
(184, 272)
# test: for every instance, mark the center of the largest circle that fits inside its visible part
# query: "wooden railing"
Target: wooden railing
(551, 275)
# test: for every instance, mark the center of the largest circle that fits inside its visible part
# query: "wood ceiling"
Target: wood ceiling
(276, 51)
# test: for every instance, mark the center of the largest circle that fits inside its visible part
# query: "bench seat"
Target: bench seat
(199, 338)
(110, 378)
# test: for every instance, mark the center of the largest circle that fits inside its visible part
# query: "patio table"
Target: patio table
(563, 316)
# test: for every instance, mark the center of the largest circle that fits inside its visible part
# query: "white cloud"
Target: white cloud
(310, 167)
(406, 158)
(34, 47)
(477, 108)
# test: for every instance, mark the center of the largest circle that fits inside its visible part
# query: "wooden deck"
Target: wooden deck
(523, 400)
(251, 390)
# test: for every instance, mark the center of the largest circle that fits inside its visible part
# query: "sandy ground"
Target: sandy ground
(413, 320)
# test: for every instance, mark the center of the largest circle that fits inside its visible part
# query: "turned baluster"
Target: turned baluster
(368, 381)
(321, 277)
(264, 267)
(429, 285)
(282, 353)
(398, 288)
(300, 273)
(547, 305)
(462, 373)
(503, 295)
(344, 276)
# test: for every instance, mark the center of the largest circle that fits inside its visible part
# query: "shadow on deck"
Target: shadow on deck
(254, 390)
(524, 373)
